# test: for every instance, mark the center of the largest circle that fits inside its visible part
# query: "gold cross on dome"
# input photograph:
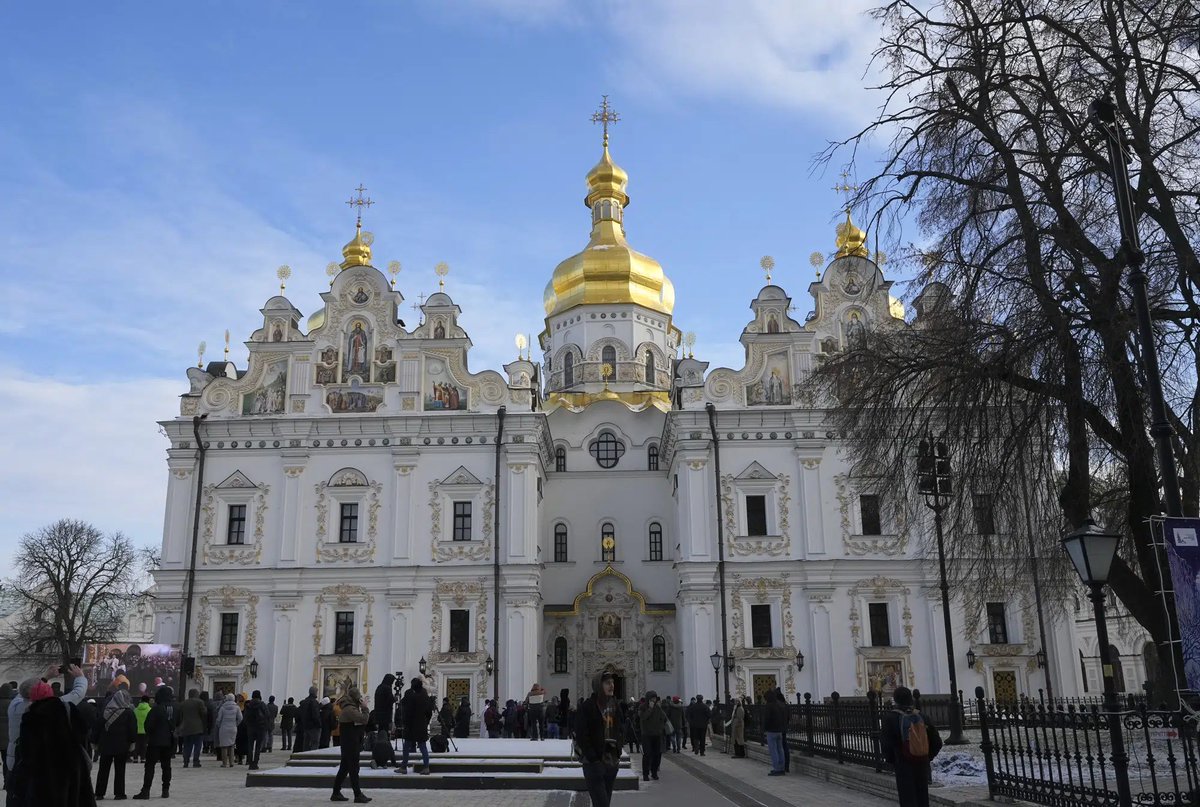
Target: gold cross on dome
(846, 189)
(604, 116)
(360, 202)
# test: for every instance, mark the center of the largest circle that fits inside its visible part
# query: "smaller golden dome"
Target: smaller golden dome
(606, 180)
(358, 251)
(316, 319)
(851, 241)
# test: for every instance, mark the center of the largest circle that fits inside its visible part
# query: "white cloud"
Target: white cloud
(88, 450)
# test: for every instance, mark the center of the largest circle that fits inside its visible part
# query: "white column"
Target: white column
(177, 521)
(520, 646)
(813, 520)
(698, 639)
(291, 509)
(518, 533)
(281, 664)
(399, 655)
(819, 669)
(696, 509)
(402, 508)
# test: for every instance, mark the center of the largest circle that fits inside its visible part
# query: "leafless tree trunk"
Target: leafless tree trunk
(991, 153)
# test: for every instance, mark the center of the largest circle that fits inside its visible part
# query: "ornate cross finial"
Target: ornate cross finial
(441, 270)
(846, 189)
(604, 116)
(360, 202)
(226, 344)
(767, 263)
(283, 273)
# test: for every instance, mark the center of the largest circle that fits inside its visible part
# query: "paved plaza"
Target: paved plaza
(686, 781)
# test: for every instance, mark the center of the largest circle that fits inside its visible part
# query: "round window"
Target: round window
(607, 449)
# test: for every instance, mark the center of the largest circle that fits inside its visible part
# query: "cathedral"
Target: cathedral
(368, 502)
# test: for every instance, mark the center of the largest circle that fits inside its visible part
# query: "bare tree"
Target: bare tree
(72, 586)
(1030, 348)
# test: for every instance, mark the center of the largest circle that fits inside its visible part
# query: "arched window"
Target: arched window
(569, 369)
(658, 654)
(608, 542)
(652, 457)
(609, 356)
(607, 449)
(656, 542)
(560, 459)
(651, 375)
(772, 325)
(560, 655)
(560, 543)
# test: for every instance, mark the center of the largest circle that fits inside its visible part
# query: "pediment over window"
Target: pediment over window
(755, 471)
(235, 480)
(461, 476)
(348, 478)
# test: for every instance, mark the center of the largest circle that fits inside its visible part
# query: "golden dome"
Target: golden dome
(316, 319)
(851, 240)
(608, 270)
(358, 251)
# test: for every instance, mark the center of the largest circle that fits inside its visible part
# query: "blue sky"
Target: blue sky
(160, 160)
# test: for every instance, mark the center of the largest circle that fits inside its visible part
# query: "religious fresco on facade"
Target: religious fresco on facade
(356, 360)
(144, 667)
(441, 391)
(608, 627)
(353, 399)
(884, 676)
(268, 397)
(775, 386)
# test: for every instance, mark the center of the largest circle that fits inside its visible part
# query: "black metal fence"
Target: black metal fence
(1060, 753)
(842, 729)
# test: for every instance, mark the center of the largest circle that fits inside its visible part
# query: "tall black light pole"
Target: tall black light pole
(1103, 114)
(933, 481)
(1092, 553)
(715, 658)
(712, 428)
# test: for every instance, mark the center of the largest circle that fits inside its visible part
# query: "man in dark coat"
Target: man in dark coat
(272, 716)
(384, 705)
(697, 718)
(192, 717)
(598, 739)
(775, 720)
(462, 718)
(160, 742)
(51, 767)
(912, 775)
(416, 710)
(210, 717)
(287, 724)
(446, 717)
(256, 718)
(308, 722)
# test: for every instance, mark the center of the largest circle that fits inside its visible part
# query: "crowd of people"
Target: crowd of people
(50, 739)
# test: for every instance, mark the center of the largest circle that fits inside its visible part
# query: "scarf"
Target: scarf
(117, 704)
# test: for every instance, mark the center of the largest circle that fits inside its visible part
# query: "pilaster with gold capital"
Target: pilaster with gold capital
(403, 513)
(288, 537)
(810, 459)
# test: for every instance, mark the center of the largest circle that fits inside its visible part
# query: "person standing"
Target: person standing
(51, 764)
(697, 718)
(287, 723)
(909, 742)
(327, 724)
(353, 716)
(256, 719)
(535, 712)
(139, 712)
(416, 710)
(674, 710)
(272, 717)
(225, 726)
(552, 719)
(787, 751)
(566, 715)
(210, 714)
(491, 720)
(6, 699)
(160, 742)
(118, 731)
(308, 721)
(384, 705)
(462, 718)
(653, 725)
(193, 714)
(598, 739)
(737, 728)
(774, 725)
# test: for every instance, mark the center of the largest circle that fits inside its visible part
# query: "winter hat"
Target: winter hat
(40, 691)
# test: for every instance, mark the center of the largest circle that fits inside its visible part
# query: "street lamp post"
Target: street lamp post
(715, 658)
(1092, 553)
(933, 481)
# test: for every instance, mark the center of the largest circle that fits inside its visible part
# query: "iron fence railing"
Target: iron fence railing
(1060, 752)
(842, 729)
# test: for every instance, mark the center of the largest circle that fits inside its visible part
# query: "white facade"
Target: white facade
(364, 429)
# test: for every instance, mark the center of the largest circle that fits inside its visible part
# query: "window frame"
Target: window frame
(994, 610)
(568, 366)
(343, 645)
(757, 625)
(562, 663)
(227, 645)
(608, 355)
(461, 526)
(655, 540)
(464, 647)
(607, 449)
(766, 527)
(608, 530)
(561, 542)
(348, 524)
(658, 653)
(651, 369)
(983, 513)
(235, 524)
(874, 609)
(877, 517)
(560, 459)
(652, 457)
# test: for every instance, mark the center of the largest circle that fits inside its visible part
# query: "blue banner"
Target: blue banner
(1183, 552)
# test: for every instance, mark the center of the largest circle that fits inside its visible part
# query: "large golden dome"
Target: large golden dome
(608, 270)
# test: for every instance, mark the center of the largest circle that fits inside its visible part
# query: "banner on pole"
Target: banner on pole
(1183, 552)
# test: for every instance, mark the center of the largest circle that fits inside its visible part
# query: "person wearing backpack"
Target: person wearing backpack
(909, 742)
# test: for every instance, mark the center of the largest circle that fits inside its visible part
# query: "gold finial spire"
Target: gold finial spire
(200, 354)
(767, 264)
(332, 269)
(226, 344)
(393, 270)
(441, 270)
(604, 116)
(846, 189)
(360, 202)
(851, 241)
(283, 273)
(689, 340)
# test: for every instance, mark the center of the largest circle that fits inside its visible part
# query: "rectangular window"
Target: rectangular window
(760, 626)
(868, 510)
(656, 541)
(560, 543)
(997, 624)
(756, 515)
(460, 630)
(658, 654)
(236, 534)
(343, 633)
(881, 629)
(462, 521)
(229, 635)
(348, 534)
(608, 543)
(985, 516)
